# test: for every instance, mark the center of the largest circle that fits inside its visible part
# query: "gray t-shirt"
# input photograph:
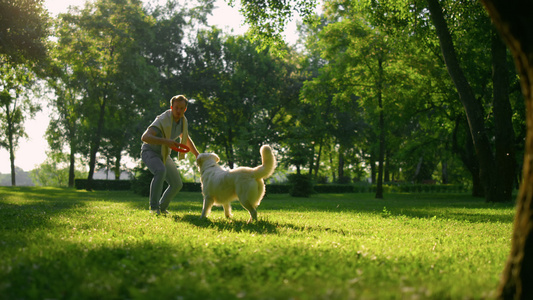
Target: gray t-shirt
(176, 131)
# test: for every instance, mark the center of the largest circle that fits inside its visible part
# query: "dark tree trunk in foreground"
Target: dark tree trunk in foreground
(513, 19)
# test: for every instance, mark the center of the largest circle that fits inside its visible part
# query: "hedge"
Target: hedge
(142, 187)
(102, 184)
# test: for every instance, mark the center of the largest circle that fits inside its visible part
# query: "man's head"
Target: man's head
(178, 105)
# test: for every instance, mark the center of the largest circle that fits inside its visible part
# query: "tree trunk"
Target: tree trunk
(319, 156)
(386, 172)
(229, 148)
(340, 167)
(372, 169)
(12, 163)
(444, 176)
(416, 178)
(468, 157)
(381, 158)
(473, 109)
(11, 144)
(117, 171)
(311, 161)
(333, 174)
(472, 163)
(504, 134)
(513, 21)
(95, 145)
(71, 174)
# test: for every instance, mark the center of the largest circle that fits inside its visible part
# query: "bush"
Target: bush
(333, 188)
(192, 187)
(278, 188)
(301, 185)
(344, 180)
(141, 182)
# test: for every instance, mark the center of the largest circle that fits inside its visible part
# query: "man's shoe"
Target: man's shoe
(155, 212)
(165, 212)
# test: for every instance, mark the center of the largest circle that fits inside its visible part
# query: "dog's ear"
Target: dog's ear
(200, 159)
(217, 159)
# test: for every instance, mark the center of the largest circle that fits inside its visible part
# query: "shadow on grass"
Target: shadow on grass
(461, 207)
(38, 204)
(27, 208)
(261, 226)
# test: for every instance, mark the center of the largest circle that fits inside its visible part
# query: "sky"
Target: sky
(32, 151)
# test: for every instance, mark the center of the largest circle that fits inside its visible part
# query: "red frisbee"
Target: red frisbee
(181, 148)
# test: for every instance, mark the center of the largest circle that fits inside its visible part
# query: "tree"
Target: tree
(242, 95)
(378, 71)
(63, 130)
(497, 188)
(55, 171)
(268, 19)
(24, 28)
(104, 47)
(15, 106)
(511, 18)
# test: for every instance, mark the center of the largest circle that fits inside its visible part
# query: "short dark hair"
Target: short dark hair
(179, 98)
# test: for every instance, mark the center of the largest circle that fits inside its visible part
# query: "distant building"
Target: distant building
(110, 175)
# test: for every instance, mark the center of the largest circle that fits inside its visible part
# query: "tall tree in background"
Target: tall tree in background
(16, 106)
(103, 47)
(24, 27)
(63, 130)
(244, 94)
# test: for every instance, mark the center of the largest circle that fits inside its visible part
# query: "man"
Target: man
(158, 140)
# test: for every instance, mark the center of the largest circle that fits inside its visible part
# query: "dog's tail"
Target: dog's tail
(268, 163)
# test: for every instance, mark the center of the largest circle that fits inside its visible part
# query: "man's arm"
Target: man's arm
(149, 137)
(191, 146)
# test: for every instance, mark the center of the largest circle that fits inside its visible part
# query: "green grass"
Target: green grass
(67, 244)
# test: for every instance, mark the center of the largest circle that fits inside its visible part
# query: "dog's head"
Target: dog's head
(205, 160)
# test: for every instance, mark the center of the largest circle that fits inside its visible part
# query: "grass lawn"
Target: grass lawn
(68, 244)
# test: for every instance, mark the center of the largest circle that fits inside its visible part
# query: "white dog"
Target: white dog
(220, 186)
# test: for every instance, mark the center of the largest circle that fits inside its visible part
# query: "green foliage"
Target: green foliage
(106, 245)
(54, 171)
(242, 96)
(268, 19)
(103, 78)
(23, 31)
(116, 64)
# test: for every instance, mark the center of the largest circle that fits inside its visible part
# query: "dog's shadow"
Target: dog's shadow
(260, 226)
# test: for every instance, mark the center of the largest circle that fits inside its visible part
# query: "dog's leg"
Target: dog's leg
(208, 204)
(251, 210)
(227, 210)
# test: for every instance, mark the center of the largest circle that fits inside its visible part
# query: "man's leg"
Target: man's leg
(156, 166)
(175, 184)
